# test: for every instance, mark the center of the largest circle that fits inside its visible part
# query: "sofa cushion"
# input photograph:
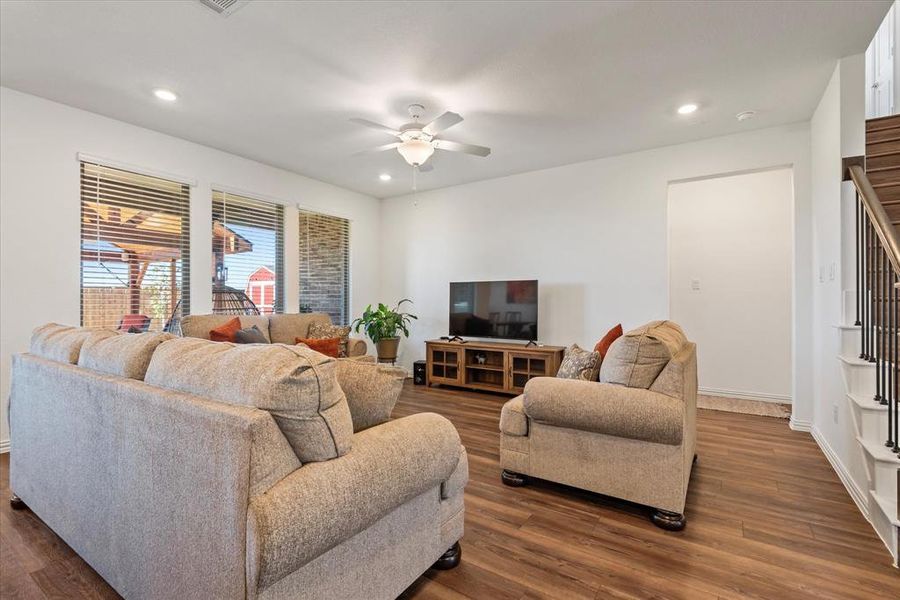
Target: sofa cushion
(283, 329)
(512, 417)
(321, 331)
(372, 390)
(250, 335)
(639, 356)
(199, 326)
(578, 363)
(327, 346)
(296, 385)
(126, 354)
(605, 408)
(62, 343)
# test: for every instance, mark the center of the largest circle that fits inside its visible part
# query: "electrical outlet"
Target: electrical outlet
(834, 414)
(695, 285)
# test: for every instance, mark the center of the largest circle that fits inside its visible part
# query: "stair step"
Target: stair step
(867, 403)
(878, 123)
(886, 175)
(879, 452)
(882, 135)
(882, 160)
(888, 507)
(888, 194)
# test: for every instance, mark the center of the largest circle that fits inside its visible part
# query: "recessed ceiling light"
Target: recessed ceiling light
(167, 95)
(384, 177)
(747, 114)
(686, 109)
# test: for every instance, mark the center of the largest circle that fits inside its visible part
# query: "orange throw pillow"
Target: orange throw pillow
(327, 346)
(612, 335)
(225, 333)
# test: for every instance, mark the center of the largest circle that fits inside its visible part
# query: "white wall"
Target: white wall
(593, 233)
(40, 212)
(730, 280)
(837, 129)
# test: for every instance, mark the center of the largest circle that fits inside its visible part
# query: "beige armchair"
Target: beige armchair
(630, 436)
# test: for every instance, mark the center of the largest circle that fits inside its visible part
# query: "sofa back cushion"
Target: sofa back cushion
(123, 354)
(637, 358)
(62, 343)
(372, 390)
(296, 385)
(199, 326)
(284, 329)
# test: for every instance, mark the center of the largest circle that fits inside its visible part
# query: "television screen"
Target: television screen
(494, 309)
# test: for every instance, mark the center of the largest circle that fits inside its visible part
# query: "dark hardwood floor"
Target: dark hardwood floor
(767, 518)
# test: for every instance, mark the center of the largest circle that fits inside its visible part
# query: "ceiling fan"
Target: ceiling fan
(418, 142)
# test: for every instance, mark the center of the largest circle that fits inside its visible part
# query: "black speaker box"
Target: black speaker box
(419, 372)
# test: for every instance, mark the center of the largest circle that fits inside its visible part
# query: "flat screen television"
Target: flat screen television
(494, 309)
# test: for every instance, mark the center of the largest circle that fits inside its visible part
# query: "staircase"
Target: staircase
(883, 163)
(870, 348)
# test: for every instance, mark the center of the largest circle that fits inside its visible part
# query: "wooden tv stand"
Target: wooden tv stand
(506, 366)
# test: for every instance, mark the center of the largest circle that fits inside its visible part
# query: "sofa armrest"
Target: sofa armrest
(356, 347)
(605, 408)
(320, 505)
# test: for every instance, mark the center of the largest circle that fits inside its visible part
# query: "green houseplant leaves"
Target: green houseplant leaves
(383, 322)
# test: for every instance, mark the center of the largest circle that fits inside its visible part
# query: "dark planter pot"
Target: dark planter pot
(387, 348)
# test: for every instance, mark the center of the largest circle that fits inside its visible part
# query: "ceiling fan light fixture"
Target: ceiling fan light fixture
(416, 152)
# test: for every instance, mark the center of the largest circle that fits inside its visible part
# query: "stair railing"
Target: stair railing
(878, 298)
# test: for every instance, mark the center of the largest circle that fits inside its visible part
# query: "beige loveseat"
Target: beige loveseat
(278, 329)
(631, 436)
(183, 468)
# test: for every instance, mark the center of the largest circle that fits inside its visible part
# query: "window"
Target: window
(248, 254)
(325, 265)
(134, 250)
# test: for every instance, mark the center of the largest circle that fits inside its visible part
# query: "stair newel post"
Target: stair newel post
(858, 257)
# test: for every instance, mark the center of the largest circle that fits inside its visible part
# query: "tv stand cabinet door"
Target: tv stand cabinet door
(522, 366)
(444, 364)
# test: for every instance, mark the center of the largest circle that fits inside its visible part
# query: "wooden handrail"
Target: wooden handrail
(877, 215)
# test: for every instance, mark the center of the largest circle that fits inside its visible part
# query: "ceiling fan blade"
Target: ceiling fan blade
(374, 125)
(426, 168)
(377, 149)
(467, 148)
(445, 121)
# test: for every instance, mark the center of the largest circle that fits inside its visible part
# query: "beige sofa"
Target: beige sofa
(630, 436)
(183, 468)
(278, 329)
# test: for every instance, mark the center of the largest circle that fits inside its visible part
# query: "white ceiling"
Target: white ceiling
(542, 83)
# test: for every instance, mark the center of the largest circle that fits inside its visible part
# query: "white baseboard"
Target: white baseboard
(4, 446)
(800, 425)
(740, 395)
(860, 497)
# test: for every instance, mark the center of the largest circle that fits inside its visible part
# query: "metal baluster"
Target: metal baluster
(880, 313)
(895, 401)
(871, 289)
(864, 267)
(858, 257)
(891, 333)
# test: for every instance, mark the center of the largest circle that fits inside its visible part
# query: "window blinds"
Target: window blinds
(325, 265)
(135, 249)
(248, 251)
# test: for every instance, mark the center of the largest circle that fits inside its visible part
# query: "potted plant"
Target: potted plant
(384, 326)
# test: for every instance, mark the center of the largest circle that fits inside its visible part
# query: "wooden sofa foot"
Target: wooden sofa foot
(670, 521)
(449, 559)
(16, 503)
(512, 479)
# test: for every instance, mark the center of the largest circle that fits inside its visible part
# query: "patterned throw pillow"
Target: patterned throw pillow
(322, 331)
(579, 364)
